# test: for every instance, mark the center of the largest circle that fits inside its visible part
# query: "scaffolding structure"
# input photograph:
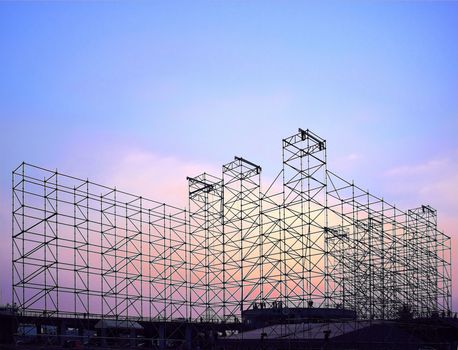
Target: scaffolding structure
(88, 250)
(309, 239)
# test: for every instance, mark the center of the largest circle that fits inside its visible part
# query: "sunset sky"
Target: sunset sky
(139, 95)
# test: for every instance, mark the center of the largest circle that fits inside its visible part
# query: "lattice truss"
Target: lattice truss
(310, 237)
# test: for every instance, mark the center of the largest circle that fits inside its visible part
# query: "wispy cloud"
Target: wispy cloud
(434, 181)
(352, 157)
(431, 166)
(158, 177)
(347, 161)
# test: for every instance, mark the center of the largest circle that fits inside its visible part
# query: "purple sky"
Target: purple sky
(139, 94)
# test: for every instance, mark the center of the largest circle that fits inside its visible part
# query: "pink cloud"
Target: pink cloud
(157, 177)
(432, 182)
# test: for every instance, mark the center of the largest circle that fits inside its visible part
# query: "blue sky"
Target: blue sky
(140, 94)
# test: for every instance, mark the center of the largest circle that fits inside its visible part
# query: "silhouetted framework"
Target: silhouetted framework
(311, 238)
(206, 247)
(85, 249)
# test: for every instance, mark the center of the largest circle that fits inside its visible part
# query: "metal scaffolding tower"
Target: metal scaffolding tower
(309, 239)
